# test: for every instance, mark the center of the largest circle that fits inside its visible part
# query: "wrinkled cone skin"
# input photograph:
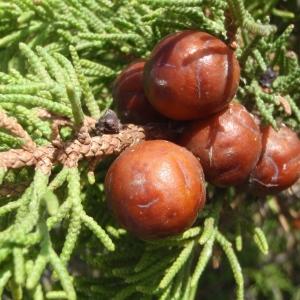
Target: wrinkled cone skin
(279, 165)
(191, 75)
(155, 189)
(129, 97)
(227, 144)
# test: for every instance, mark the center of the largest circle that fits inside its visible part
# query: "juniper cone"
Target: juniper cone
(59, 61)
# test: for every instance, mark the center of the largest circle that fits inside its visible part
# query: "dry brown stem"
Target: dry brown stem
(13, 189)
(231, 30)
(83, 146)
(12, 125)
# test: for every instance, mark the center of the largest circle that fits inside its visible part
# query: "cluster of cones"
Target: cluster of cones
(191, 78)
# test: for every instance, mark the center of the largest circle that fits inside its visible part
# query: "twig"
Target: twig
(12, 125)
(83, 146)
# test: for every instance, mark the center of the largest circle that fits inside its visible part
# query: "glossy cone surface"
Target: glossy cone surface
(191, 75)
(155, 189)
(129, 97)
(228, 145)
(279, 165)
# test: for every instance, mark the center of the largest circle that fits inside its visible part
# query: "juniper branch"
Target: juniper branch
(84, 146)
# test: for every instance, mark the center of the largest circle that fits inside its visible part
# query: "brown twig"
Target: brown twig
(83, 146)
(12, 125)
(231, 30)
(13, 189)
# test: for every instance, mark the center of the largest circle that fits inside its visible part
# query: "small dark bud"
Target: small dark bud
(267, 78)
(109, 123)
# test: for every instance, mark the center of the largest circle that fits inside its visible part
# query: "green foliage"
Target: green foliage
(62, 56)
